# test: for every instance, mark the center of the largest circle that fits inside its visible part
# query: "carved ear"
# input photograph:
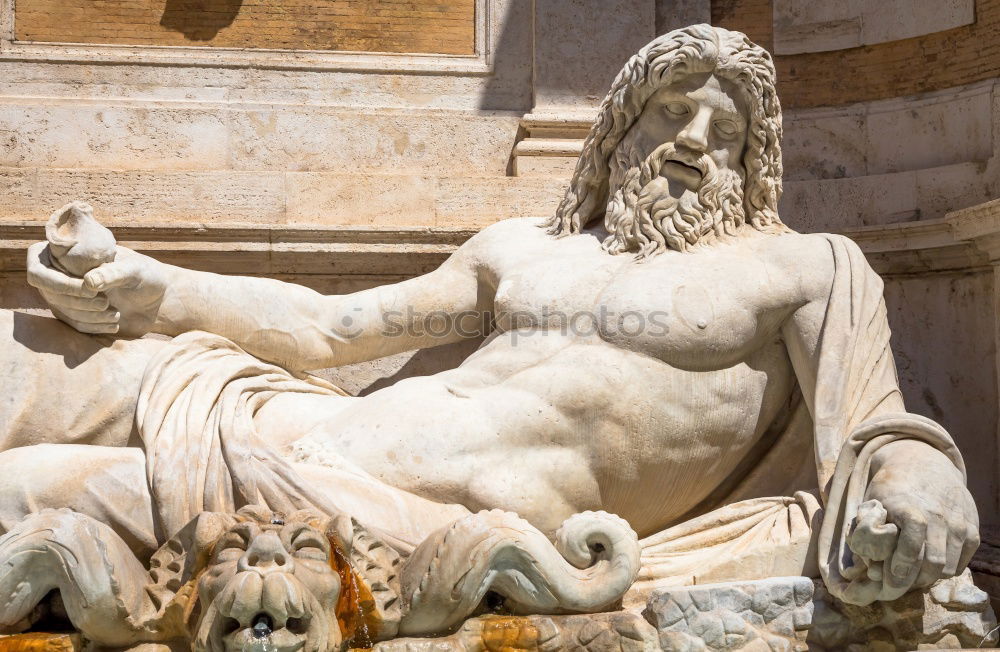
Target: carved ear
(184, 554)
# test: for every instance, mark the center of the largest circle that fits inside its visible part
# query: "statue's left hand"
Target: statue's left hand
(925, 497)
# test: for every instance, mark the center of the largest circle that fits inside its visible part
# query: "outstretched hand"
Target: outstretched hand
(119, 297)
(924, 526)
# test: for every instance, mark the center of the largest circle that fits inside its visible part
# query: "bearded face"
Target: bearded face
(269, 586)
(677, 178)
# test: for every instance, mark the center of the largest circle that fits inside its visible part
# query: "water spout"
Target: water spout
(262, 626)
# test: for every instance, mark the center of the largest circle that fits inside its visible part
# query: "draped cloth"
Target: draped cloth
(200, 392)
(195, 418)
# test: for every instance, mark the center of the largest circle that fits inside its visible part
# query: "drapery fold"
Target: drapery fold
(195, 418)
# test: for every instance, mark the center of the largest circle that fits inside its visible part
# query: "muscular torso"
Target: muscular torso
(634, 387)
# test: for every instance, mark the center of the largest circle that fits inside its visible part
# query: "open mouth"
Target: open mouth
(683, 167)
(263, 634)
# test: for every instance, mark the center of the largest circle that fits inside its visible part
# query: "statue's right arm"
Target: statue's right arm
(276, 321)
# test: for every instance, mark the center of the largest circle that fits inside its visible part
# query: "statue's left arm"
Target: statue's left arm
(838, 342)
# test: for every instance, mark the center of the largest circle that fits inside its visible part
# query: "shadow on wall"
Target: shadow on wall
(508, 88)
(199, 20)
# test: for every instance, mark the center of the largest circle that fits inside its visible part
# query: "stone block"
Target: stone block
(932, 347)
(317, 198)
(148, 196)
(801, 27)
(567, 32)
(941, 190)
(17, 187)
(620, 631)
(824, 144)
(900, 19)
(815, 26)
(478, 202)
(675, 14)
(112, 137)
(797, 613)
(560, 167)
(383, 142)
(115, 82)
(838, 204)
(733, 615)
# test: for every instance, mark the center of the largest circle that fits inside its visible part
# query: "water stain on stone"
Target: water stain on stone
(356, 612)
(509, 633)
(41, 642)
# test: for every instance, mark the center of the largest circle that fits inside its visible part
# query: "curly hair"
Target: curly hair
(698, 48)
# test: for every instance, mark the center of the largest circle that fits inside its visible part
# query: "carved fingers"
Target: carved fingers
(935, 521)
(42, 275)
(126, 272)
(119, 296)
(904, 565)
(70, 299)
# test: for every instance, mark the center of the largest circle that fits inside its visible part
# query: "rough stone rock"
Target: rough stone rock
(769, 614)
(953, 614)
(796, 613)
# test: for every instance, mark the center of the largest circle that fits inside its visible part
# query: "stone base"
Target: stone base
(796, 613)
(779, 614)
(620, 631)
(771, 614)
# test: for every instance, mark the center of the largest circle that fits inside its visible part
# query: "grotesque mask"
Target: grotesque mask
(270, 584)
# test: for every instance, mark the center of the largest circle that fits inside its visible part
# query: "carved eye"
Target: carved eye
(677, 109)
(727, 128)
(309, 544)
(231, 546)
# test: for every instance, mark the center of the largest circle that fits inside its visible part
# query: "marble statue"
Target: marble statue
(663, 348)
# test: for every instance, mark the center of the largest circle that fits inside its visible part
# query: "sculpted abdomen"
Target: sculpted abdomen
(652, 429)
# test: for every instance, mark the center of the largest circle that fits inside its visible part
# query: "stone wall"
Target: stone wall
(431, 26)
(846, 51)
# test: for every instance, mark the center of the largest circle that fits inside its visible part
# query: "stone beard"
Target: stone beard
(645, 215)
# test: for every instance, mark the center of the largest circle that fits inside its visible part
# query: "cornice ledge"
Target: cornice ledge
(979, 225)
(268, 249)
(901, 248)
(916, 247)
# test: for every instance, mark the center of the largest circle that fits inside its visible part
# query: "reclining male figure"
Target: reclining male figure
(721, 357)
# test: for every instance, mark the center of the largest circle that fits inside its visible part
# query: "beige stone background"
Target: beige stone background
(345, 143)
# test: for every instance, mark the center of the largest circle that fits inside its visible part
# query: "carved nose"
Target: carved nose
(266, 554)
(695, 134)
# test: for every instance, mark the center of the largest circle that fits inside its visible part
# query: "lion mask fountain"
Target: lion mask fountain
(262, 580)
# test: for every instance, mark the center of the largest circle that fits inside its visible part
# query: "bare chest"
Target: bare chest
(697, 311)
